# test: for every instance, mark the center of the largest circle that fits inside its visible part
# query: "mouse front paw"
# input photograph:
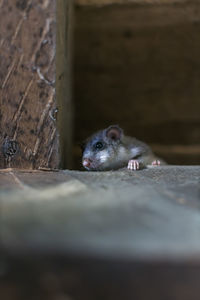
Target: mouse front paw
(133, 165)
(156, 163)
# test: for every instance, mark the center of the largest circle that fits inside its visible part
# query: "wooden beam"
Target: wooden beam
(100, 235)
(140, 2)
(63, 78)
(28, 137)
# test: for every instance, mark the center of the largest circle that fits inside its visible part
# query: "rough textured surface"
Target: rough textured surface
(101, 235)
(158, 207)
(64, 33)
(138, 66)
(108, 2)
(28, 136)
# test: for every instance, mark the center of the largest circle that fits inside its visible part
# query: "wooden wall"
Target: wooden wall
(139, 66)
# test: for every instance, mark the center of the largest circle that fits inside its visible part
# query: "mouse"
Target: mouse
(110, 149)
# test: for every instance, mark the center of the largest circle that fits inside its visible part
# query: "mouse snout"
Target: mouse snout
(87, 162)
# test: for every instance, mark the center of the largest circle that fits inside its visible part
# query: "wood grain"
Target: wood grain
(27, 84)
(122, 2)
(100, 235)
(64, 79)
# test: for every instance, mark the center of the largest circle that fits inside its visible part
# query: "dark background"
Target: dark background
(139, 66)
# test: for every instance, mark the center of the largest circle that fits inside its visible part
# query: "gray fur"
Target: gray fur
(116, 153)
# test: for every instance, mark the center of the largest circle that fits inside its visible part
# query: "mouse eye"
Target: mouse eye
(98, 145)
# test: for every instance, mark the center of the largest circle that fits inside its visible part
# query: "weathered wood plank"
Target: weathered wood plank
(28, 136)
(109, 2)
(115, 235)
(63, 79)
(42, 179)
(157, 206)
(8, 180)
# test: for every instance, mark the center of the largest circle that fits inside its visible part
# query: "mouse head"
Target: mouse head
(99, 150)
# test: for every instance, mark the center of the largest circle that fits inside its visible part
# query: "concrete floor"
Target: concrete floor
(152, 215)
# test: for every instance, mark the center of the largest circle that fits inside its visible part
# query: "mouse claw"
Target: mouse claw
(133, 165)
(155, 162)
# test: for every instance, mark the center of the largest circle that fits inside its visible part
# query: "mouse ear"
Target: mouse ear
(114, 132)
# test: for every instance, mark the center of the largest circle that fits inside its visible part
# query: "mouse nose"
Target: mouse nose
(87, 162)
